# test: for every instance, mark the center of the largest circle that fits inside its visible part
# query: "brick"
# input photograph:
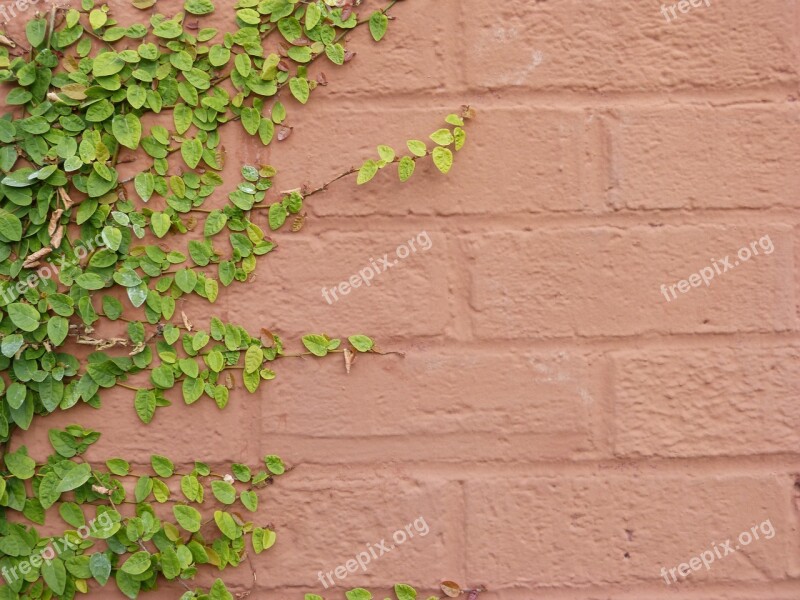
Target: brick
(707, 401)
(576, 531)
(408, 299)
(552, 163)
(630, 48)
(416, 56)
(607, 282)
(695, 158)
(325, 521)
(480, 406)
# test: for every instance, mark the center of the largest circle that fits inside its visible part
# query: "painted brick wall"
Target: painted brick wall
(563, 428)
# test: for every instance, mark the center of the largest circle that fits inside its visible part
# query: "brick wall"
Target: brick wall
(564, 430)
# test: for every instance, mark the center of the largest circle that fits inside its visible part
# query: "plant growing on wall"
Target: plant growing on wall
(84, 252)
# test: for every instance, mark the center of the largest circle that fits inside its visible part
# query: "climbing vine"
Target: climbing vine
(85, 250)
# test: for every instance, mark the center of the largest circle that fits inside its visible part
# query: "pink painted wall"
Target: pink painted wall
(564, 430)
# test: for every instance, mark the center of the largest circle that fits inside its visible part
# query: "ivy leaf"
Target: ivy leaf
(378, 23)
(277, 215)
(335, 53)
(160, 223)
(313, 15)
(162, 466)
(443, 159)
(137, 563)
(253, 359)
(251, 119)
(127, 129)
(367, 172)
(19, 464)
(144, 183)
(10, 226)
(316, 344)
(417, 148)
(227, 525)
(187, 517)
(24, 316)
(192, 152)
(35, 31)
(406, 168)
(249, 500)
(362, 343)
(405, 592)
(243, 64)
(75, 477)
(299, 88)
(72, 514)
(100, 567)
(358, 594)
(145, 404)
(55, 575)
(199, 7)
(275, 464)
(57, 330)
(224, 492)
(443, 137)
(108, 63)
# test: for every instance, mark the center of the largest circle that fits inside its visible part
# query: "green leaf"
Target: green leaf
(57, 330)
(249, 500)
(316, 344)
(160, 223)
(10, 226)
(192, 152)
(243, 64)
(335, 53)
(226, 525)
(275, 464)
(182, 115)
(299, 88)
(386, 153)
(443, 159)
(406, 168)
(443, 137)
(72, 514)
(108, 63)
(277, 215)
(253, 359)
(313, 15)
(358, 594)
(20, 465)
(199, 7)
(251, 119)
(24, 316)
(118, 466)
(162, 465)
(367, 172)
(224, 492)
(100, 566)
(378, 23)
(137, 563)
(90, 281)
(75, 477)
(35, 31)
(55, 575)
(145, 404)
(127, 129)
(405, 592)
(417, 147)
(187, 517)
(362, 343)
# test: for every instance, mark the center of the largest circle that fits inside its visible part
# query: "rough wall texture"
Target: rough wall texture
(564, 425)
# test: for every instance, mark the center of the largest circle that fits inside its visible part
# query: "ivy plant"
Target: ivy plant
(85, 249)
